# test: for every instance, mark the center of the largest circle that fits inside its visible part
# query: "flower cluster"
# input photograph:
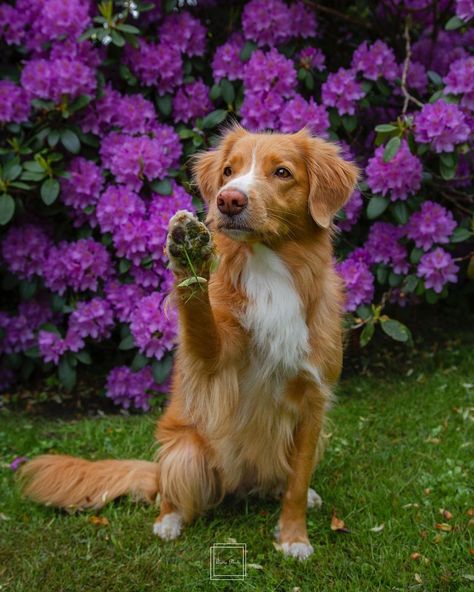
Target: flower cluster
(101, 111)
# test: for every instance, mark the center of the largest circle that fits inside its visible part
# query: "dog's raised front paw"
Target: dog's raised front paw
(169, 527)
(189, 246)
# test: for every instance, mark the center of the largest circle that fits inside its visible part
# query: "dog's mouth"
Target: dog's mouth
(236, 231)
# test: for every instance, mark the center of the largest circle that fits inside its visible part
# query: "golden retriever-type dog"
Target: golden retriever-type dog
(259, 347)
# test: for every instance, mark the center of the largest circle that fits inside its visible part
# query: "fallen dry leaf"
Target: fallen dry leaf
(254, 566)
(337, 524)
(471, 551)
(99, 520)
(406, 506)
(378, 528)
(427, 490)
(444, 527)
(471, 522)
(470, 512)
(418, 578)
(415, 556)
(446, 514)
(437, 539)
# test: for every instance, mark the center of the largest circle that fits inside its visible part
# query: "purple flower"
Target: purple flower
(93, 318)
(25, 249)
(359, 282)
(123, 298)
(132, 113)
(261, 111)
(153, 328)
(299, 113)
(267, 22)
(63, 18)
(375, 61)
(382, 246)
(400, 177)
(12, 24)
(441, 124)
(270, 71)
(417, 78)
(117, 206)
(226, 62)
(131, 239)
(191, 101)
(341, 90)
(54, 79)
(17, 462)
(52, 346)
(312, 58)
(156, 65)
(303, 20)
(126, 387)
(82, 188)
(465, 9)
(14, 103)
(131, 158)
(437, 268)
(432, 224)
(183, 33)
(460, 80)
(352, 210)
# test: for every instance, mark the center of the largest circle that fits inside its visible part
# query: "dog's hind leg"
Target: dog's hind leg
(189, 485)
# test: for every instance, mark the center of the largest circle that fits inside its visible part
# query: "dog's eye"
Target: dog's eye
(227, 171)
(282, 173)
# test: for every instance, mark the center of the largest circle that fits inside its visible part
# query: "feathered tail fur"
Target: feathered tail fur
(69, 482)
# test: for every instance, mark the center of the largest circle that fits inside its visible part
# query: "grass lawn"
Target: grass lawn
(400, 452)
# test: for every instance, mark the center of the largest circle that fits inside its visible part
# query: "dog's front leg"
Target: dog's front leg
(292, 529)
(190, 251)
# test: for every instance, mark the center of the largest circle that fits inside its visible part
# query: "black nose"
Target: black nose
(231, 202)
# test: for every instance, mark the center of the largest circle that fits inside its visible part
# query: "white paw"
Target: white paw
(314, 499)
(299, 551)
(169, 527)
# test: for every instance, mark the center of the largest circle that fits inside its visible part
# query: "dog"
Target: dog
(259, 347)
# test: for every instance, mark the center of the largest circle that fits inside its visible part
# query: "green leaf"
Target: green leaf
(161, 369)
(247, 50)
(349, 122)
(84, 357)
(396, 330)
(460, 234)
(386, 128)
(410, 283)
(446, 172)
(449, 159)
(124, 265)
(215, 92)
(53, 138)
(454, 23)
(128, 29)
(163, 187)
(32, 166)
(366, 334)
(164, 104)
(190, 281)
(27, 289)
(435, 78)
(127, 343)
(228, 92)
(416, 255)
(50, 328)
(309, 81)
(382, 274)
(431, 296)
(186, 133)
(391, 149)
(400, 212)
(67, 374)
(376, 207)
(50, 191)
(12, 170)
(394, 279)
(33, 352)
(214, 118)
(7, 208)
(70, 141)
(117, 39)
(364, 312)
(81, 102)
(139, 362)
(302, 73)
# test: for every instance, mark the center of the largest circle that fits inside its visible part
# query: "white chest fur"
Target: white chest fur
(274, 315)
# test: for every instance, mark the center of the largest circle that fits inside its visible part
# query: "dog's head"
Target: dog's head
(267, 186)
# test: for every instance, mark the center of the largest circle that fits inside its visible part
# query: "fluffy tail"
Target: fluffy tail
(69, 482)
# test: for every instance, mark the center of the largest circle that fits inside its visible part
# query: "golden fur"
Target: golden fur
(240, 419)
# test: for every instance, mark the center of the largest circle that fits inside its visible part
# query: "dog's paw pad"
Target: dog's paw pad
(169, 527)
(314, 499)
(189, 244)
(299, 551)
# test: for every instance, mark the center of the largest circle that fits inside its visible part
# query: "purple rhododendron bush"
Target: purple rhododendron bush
(101, 106)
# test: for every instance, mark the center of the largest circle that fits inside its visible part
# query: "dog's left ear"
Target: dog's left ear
(331, 180)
